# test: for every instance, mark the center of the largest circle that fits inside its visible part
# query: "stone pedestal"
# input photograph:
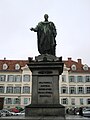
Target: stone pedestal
(45, 86)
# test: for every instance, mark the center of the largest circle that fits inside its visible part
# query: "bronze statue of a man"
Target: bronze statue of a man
(46, 33)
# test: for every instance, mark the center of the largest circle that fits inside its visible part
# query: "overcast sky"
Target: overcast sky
(71, 18)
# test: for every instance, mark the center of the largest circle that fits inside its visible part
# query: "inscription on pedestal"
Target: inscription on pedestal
(45, 91)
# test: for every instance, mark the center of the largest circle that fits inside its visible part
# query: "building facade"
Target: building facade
(16, 83)
(75, 84)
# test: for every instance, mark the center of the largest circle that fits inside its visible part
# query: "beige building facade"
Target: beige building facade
(75, 84)
(16, 83)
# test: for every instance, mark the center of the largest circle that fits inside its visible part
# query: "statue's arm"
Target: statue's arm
(33, 29)
(36, 29)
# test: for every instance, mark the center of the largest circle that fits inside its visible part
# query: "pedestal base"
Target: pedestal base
(54, 110)
(45, 88)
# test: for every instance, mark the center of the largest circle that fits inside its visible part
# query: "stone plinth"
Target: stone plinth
(45, 86)
(45, 110)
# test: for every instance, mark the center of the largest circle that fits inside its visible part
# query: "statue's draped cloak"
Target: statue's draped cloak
(46, 33)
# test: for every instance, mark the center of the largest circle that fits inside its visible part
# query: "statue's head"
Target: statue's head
(46, 16)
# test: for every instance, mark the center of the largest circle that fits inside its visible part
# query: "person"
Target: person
(81, 111)
(46, 33)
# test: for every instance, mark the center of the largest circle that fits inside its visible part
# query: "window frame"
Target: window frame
(79, 78)
(3, 77)
(2, 89)
(9, 89)
(25, 79)
(26, 89)
(17, 89)
(64, 101)
(71, 78)
(11, 78)
(63, 78)
(64, 88)
(87, 78)
(16, 78)
(80, 90)
(73, 89)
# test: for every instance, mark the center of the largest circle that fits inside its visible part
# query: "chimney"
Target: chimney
(69, 59)
(4, 58)
(79, 61)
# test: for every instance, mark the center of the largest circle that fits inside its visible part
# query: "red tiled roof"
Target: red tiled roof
(79, 66)
(11, 64)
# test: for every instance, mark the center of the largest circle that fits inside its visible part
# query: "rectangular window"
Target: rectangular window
(16, 101)
(64, 90)
(87, 78)
(79, 79)
(26, 89)
(17, 89)
(10, 78)
(81, 101)
(17, 78)
(64, 101)
(88, 101)
(8, 100)
(71, 78)
(87, 90)
(2, 78)
(80, 90)
(2, 89)
(63, 78)
(26, 78)
(72, 90)
(72, 101)
(9, 89)
(25, 100)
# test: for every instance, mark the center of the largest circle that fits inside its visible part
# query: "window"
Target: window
(26, 89)
(2, 89)
(88, 101)
(17, 67)
(17, 89)
(5, 66)
(64, 90)
(81, 101)
(80, 90)
(71, 78)
(87, 78)
(25, 100)
(87, 90)
(85, 67)
(79, 79)
(64, 101)
(9, 89)
(73, 67)
(72, 90)
(16, 101)
(72, 101)
(10, 78)
(63, 78)
(8, 100)
(2, 78)
(17, 78)
(26, 78)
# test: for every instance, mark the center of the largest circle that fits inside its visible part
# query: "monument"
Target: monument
(46, 69)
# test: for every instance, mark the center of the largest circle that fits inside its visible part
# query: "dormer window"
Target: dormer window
(5, 66)
(85, 67)
(73, 67)
(17, 67)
